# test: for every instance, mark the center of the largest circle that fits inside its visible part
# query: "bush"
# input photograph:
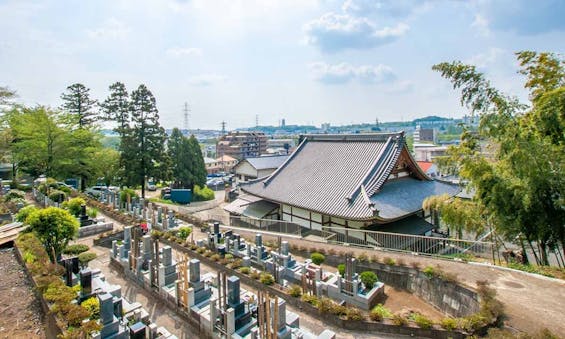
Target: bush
(379, 312)
(354, 314)
(341, 269)
(449, 324)
(184, 232)
(310, 299)
(93, 306)
(215, 257)
(429, 271)
(422, 321)
(127, 192)
(74, 206)
(92, 212)
(363, 257)
(76, 249)
(245, 270)
(254, 275)
(14, 195)
(295, 291)
(57, 196)
(236, 263)
(317, 258)
(399, 320)
(266, 278)
(200, 250)
(86, 257)
(389, 261)
(202, 194)
(24, 212)
(368, 278)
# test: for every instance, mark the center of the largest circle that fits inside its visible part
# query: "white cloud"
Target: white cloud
(203, 80)
(333, 32)
(389, 8)
(111, 29)
(345, 72)
(184, 51)
(481, 24)
(491, 57)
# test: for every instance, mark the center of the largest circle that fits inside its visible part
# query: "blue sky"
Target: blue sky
(307, 61)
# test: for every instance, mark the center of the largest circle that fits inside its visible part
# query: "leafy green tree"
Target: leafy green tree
(106, 165)
(198, 167)
(54, 227)
(179, 154)
(77, 101)
(368, 278)
(143, 141)
(516, 160)
(38, 142)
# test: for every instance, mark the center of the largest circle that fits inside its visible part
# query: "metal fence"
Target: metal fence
(435, 245)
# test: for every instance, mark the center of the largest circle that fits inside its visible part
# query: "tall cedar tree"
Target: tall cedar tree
(77, 102)
(143, 142)
(198, 166)
(187, 167)
(116, 107)
(519, 182)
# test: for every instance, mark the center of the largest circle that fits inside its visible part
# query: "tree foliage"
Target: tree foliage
(54, 227)
(143, 141)
(516, 161)
(76, 100)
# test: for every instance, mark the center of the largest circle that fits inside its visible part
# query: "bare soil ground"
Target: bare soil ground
(20, 311)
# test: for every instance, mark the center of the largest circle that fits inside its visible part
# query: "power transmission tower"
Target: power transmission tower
(186, 115)
(256, 120)
(223, 123)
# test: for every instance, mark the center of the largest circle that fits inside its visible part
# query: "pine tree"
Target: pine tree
(198, 168)
(143, 142)
(77, 102)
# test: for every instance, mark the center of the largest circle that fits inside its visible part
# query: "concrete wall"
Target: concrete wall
(95, 229)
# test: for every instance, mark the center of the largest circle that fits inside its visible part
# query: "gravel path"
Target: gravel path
(20, 311)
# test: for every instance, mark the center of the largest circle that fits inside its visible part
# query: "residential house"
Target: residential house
(253, 168)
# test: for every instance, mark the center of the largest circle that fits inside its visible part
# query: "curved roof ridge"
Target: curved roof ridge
(353, 137)
(371, 172)
(377, 184)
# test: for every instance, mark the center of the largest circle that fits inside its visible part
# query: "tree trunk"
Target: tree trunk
(533, 250)
(543, 251)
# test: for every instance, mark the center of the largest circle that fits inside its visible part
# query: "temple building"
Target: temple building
(359, 181)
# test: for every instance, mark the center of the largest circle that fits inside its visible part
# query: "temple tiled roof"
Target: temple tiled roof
(341, 175)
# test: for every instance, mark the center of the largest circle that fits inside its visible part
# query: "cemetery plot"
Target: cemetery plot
(20, 311)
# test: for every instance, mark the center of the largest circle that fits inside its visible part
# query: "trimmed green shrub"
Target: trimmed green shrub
(295, 291)
(317, 258)
(363, 257)
(379, 312)
(21, 216)
(422, 321)
(93, 306)
(184, 232)
(449, 324)
(74, 205)
(76, 249)
(429, 271)
(86, 257)
(368, 278)
(389, 261)
(215, 257)
(354, 314)
(14, 195)
(341, 269)
(266, 278)
(310, 299)
(245, 270)
(92, 212)
(399, 320)
(57, 196)
(254, 275)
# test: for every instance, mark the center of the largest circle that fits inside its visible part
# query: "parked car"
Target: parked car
(151, 186)
(166, 193)
(95, 191)
(62, 184)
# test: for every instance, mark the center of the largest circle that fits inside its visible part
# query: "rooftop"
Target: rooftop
(343, 175)
(269, 162)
